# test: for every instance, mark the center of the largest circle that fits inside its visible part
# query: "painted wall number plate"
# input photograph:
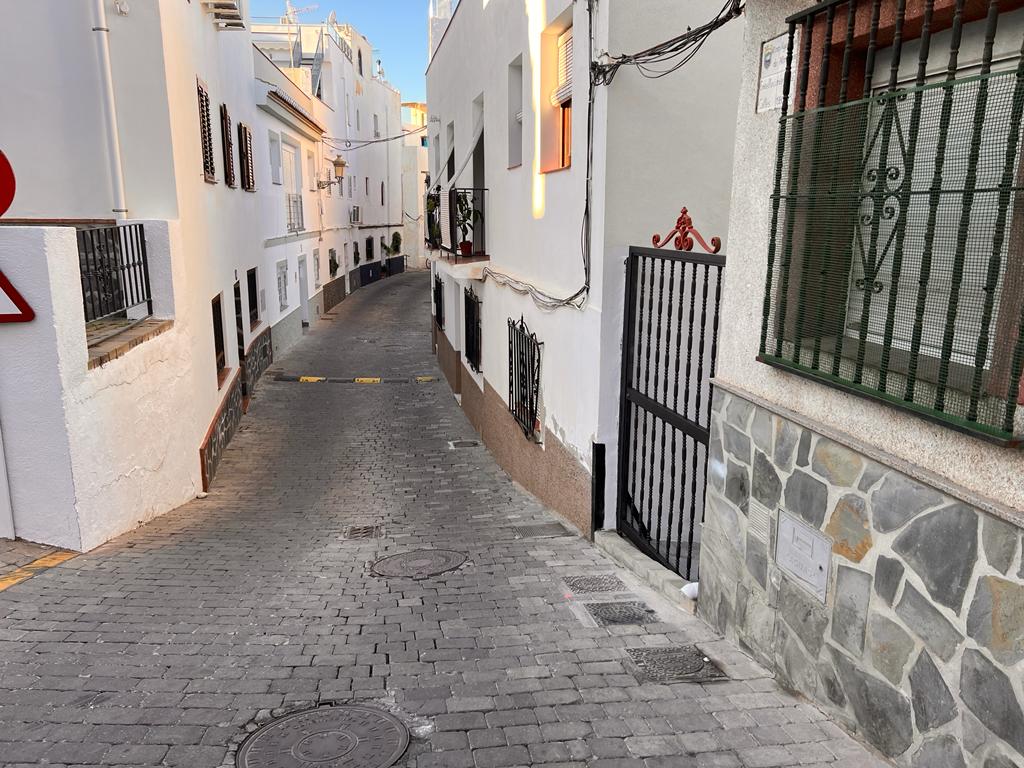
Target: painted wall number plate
(804, 553)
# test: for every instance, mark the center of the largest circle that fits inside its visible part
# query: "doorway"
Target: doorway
(6, 504)
(304, 291)
(240, 334)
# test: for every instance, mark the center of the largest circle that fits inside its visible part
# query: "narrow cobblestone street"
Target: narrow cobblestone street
(162, 646)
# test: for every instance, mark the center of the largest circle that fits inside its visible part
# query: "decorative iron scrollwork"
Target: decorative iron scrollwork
(862, 285)
(685, 233)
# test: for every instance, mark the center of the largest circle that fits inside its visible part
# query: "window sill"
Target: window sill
(546, 171)
(209, 179)
(222, 376)
(513, 167)
(253, 325)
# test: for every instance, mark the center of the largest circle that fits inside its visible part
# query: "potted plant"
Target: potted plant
(466, 217)
(396, 243)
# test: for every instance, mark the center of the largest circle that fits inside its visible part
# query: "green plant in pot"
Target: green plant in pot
(396, 243)
(466, 218)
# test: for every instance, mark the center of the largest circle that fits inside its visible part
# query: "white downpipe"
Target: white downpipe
(120, 208)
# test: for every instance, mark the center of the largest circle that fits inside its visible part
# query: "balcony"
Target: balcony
(293, 204)
(461, 219)
(116, 293)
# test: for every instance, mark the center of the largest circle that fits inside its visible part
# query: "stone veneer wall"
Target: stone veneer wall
(920, 645)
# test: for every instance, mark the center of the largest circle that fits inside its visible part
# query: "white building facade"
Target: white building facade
(169, 247)
(515, 130)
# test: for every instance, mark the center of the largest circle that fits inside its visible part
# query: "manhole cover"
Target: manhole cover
(612, 614)
(328, 737)
(419, 564)
(541, 531)
(604, 582)
(681, 664)
(363, 532)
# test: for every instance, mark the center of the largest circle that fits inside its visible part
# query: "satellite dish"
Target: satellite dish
(332, 18)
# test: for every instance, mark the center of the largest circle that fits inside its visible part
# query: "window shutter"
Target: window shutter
(206, 133)
(563, 91)
(245, 157)
(248, 160)
(227, 146)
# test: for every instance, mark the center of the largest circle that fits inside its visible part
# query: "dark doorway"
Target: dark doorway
(239, 334)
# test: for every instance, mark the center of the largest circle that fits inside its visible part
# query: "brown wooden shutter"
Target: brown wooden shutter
(248, 160)
(227, 145)
(206, 134)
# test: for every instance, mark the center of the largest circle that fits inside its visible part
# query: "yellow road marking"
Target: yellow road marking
(312, 379)
(19, 575)
(424, 379)
(368, 380)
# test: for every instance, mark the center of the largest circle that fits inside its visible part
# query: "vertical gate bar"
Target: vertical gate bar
(874, 258)
(675, 407)
(689, 341)
(697, 413)
(664, 400)
(814, 226)
(646, 340)
(635, 374)
(97, 278)
(683, 506)
(905, 197)
(851, 21)
(116, 287)
(511, 366)
(934, 195)
(652, 525)
(869, 59)
(133, 237)
(799, 116)
(780, 152)
(967, 204)
(625, 410)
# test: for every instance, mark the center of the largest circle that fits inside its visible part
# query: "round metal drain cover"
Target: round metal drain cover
(328, 737)
(419, 564)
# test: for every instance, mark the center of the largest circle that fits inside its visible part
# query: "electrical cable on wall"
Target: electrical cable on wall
(345, 145)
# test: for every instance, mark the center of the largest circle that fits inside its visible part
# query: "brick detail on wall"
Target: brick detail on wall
(920, 643)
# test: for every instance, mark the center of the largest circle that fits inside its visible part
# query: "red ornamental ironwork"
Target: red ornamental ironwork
(685, 233)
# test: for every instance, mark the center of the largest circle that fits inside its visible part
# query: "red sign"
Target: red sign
(6, 184)
(25, 313)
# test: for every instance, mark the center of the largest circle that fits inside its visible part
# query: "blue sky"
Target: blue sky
(397, 29)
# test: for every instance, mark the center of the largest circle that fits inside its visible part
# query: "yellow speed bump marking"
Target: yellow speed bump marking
(19, 575)
(424, 379)
(312, 379)
(368, 380)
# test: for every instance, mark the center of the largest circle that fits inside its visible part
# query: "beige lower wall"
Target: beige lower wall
(448, 359)
(549, 471)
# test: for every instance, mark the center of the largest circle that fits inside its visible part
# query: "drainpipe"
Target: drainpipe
(120, 209)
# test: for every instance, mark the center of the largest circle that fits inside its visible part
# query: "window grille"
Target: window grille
(439, 302)
(897, 217)
(245, 164)
(523, 375)
(252, 290)
(227, 146)
(206, 133)
(474, 335)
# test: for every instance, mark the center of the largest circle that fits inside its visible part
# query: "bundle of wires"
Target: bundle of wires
(665, 58)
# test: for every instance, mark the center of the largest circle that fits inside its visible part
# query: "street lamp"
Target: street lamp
(339, 173)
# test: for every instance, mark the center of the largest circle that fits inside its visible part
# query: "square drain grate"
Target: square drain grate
(540, 531)
(602, 582)
(363, 532)
(678, 664)
(616, 614)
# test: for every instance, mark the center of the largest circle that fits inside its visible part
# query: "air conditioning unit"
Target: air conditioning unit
(355, 216)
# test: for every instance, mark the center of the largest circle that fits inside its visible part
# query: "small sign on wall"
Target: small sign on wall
(773, 72)
(804, 553)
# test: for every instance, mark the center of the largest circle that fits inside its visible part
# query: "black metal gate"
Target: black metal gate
(668, 359)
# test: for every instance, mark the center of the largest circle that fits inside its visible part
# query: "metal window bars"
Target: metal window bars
(293, 203)
(474, 336)
(897, 216)
(115, 273)
(523, 375)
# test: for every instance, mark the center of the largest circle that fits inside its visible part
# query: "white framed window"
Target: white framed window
(316, 267)
(282, 285)
(311, 170)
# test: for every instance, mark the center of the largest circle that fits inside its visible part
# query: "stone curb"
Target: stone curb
(664, 581)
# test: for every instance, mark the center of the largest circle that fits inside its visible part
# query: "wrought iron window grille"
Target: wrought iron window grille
(474, 334)
(897, 215)
(115, 273)
(524, 360)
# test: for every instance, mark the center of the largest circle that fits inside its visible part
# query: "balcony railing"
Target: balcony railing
(294, 209)
(115, 273)
(463, 217)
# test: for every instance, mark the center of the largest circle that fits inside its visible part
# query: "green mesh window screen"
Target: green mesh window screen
(896, 254)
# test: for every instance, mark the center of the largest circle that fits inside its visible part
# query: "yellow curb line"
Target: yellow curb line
(424, 379)
(368, 380)
(19, 575)
(312, 379)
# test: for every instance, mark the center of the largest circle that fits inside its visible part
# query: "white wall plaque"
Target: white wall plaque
(804, 553)
(773, 72)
